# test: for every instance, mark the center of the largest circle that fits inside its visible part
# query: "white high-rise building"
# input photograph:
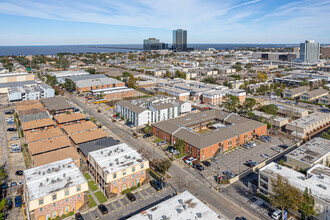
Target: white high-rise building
(310, 51)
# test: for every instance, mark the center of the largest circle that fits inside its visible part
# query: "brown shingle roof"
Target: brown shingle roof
(86, 136)
(48, 145)
(63, 118)
(78, 127)
(31, 111)
(43, 134)
(37, 124)
(56, 103)
(33, 105)
(56, 155)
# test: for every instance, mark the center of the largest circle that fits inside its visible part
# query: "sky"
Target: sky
(67, 22)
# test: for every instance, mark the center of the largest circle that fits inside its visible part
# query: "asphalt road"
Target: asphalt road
(219, 202)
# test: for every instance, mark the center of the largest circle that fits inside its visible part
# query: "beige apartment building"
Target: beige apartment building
(54, 189)
(313, 95)
(117, 168)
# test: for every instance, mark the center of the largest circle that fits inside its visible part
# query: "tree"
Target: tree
(132, 81)
(179, 74)
(51, 80)
(307, 206)
(237, 67)
(304, 83)
(232, 103)
(91, 70)
(262, 76)
(210, 80)
(270, 109)
(3, 174)
(278, 92)
(249, 104)
(147, 129)
(101, 95)
(179, 145)
(126, 74)
(167, 74)
(284, 195)
(69, 85)
(248, 66)
(326, 135)
(164, 166)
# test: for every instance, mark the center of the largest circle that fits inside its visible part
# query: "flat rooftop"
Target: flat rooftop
(52, 177)
(299, 180)
(98, 144)
(56, 104)
(180, 207)
(309, 119)
(116, 158)
(79, 127)
(311, 151)
(33, 117)
(64, 118)
(43, 134)
(289, 107)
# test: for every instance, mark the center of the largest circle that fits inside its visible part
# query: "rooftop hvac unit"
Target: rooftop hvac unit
(179, 210)
(40, 184)
(199, 215)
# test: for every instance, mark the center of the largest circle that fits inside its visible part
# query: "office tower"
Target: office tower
(154, 44)
(179, 40)
(310, 51)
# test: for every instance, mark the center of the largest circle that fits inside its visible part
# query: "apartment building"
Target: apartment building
(29, 108)
(79, 127)
(209, 132)
(43, 134)
(69, 118)
(316, 151)
(57, 105)
(178, 207)
(114, 93)
(290, 111)
(276, 121)
(295, 93)
(152, 109)
(86, 136)
(317, 180)
(311, 96)
(324, 100)
(37, 125)
(117, 168)
(31, 92)
(180, 94)
(309, 125)
(54, 189)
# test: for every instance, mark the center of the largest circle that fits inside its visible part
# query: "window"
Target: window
(67, 200)
(124, 172)
(67, 209)
(40, 209)
(54, 197)
(41, 201)
(115, 175)
(54, 204)
(78, 196)
(66, 192)
(133, 169)
(133, 183)
(133, 175)
(124, 187)
(54, 214)
(124, 179)
(78, 188)
(142, 165)
(141, 172)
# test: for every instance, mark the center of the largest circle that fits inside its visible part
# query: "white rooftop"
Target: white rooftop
(49, 178)
(318, 184)
(116, 158)
(309, 119)
(69, 73)
(183, 206)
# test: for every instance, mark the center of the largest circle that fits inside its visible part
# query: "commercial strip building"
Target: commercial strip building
(180, 94)
(309, 125)
(114, 93)
(31, 92)
(209, 132)
(180, 207)
(316, 151)
(54, 189)
(317, 180)
(276, 121)
(10, 80)
(68, 73)
(117, 168)
(97, 83)
(150, 110)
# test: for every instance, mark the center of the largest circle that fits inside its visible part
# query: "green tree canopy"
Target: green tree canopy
(164, 165)
(179, 74)
(126, 74)
(91, 70)
(69, 85)
(232, 103)
(210, 80)
(307, 206)
(270, 109)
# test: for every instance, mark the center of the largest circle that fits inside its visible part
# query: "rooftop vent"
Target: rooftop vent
(180, 201)
(110, 164)
(63, 165)
(101, 152)
(53, 181)
(164, 217)
(39, 172)
(63, 174)
(179, 210)
(69, 178)
(58, 179)
(116, 159)
(47, 179)
(278, 167)
(322, 186)
(40, 184)
(301, 177)
(43, 173)
(48, 169)
(150, 216)
(184, 206)
(59, 166)
(199, 215)
(53, 168)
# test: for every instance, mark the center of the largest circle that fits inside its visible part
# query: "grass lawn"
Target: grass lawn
(87, 176)
(92, 203)
(183, 154)
(92, 185)
(157, 140)
(204, 131)
(100, 196)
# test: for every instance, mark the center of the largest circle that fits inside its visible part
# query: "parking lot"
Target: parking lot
(122, 207)
(234, 161)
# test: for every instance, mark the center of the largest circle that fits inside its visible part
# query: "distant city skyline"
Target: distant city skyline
(35, 22)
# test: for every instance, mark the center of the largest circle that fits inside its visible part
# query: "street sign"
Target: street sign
(285, 215)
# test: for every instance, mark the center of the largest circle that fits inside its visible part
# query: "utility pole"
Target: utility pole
(218, 181)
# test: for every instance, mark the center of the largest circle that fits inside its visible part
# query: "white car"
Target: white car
(277, 149)
(252, 143)
(277, 214)
(265, 156)
(13, 146)
(14, 138)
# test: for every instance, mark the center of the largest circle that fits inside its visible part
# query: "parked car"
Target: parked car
(147, 135)
(198, 167)
(78, 216)
(16, 150)
(9, 202)
(160, 143)
(250, 163)
(156, 185)
(13, 146)
(130, 197)
(11, 129)
(103, 209)
(206, 163)
(20, 182)
(189, 160)
(265, 156)
(251, 143)
(268, 138)
(14, 138)
(18, 201)
(172, 150)
(228, 173)
(4, 185)
(276, 148)
(13, 184)
(10, 122)
(9, 112)
(277, 214)
(19, 172)
(284, 146)
(76, 109)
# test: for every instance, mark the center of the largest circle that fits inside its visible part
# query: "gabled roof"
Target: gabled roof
(90, 135)
(79, 127)
(37, 124)
(55, 155)
(49, 145)
(43, 134)
(64, 118)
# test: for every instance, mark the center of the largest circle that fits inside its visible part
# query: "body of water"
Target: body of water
(51, 49)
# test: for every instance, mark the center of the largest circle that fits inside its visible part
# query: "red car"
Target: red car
(115, 116)
(202, 102)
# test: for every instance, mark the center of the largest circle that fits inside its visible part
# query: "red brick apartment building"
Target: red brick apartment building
(209, 132)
